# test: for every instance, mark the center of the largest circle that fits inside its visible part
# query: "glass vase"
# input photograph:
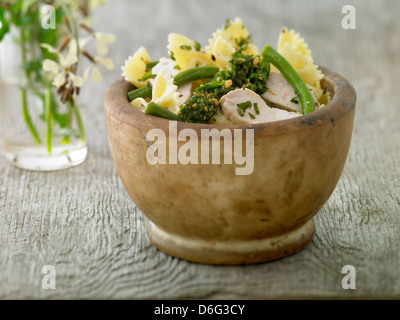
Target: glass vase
(39, 132)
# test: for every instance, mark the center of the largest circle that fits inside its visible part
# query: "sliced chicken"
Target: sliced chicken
(281, 94)
(184, 92)
(244, 106)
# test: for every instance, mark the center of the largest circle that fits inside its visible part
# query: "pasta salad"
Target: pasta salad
(229, 81)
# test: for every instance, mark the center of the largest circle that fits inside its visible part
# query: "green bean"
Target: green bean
(300, 88)
(195, 74)
(156, 110)
(144, 92)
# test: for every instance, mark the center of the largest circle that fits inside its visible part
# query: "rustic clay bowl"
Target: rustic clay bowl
(205, 212)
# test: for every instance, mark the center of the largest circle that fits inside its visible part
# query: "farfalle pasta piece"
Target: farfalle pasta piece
(222, 50)
(187, 53)
(139, 104)
(295, 41)
(294, 49)
(135, 67)
(165, 92)
(227, 40)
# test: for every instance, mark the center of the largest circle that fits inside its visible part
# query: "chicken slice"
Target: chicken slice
(184, 92)
(232, 104)
(281, 94)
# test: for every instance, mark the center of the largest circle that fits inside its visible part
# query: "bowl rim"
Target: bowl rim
(343, 101)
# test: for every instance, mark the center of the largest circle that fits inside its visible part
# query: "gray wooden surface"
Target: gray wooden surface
(83, 223)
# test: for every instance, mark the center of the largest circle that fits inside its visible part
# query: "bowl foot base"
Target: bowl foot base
(234, 251)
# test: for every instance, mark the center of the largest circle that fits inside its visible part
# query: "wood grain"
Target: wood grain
(83, 223)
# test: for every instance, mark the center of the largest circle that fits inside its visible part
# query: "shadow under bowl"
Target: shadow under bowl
(250, 209)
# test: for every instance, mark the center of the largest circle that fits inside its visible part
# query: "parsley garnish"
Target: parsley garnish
(147, 76)
(150, 65)
(256, 108)
(227, 24)
(243, 41)
(186, 47)
(197, 46)
(242, 108)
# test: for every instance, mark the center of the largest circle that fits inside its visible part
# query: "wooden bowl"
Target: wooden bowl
(206, 212)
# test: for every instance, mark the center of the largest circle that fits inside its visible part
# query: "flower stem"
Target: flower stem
(23, 93)
(66, 139)
(47, 115)
(79, 122)
(27, 117)
(74, 32)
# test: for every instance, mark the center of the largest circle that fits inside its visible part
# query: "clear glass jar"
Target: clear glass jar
(38, 131)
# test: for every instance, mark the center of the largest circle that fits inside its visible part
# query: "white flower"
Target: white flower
(106, 62)
(62, 70)
(96, 3)
(49, 48)
(101, 40)
(96, 74)
(74, 45)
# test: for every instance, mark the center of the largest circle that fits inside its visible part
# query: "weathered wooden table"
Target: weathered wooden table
(83, 223)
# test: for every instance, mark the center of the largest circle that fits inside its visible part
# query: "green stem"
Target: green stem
(27, 117)
(47, 115)
(72, 22)
(23, 93)
(79, 122)
(66, 139)
(74, 32)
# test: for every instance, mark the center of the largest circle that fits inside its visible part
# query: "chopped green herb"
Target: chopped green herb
(150, 65)
(227, 24)
(147, 76)
(197, 46)
(256, 108)
(172, 55)
(177, 67)
(244, 105)
(294, 100)
(186, 47)
(243, 41)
